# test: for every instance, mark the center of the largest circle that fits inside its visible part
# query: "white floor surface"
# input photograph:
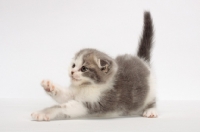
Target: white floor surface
(174, 116)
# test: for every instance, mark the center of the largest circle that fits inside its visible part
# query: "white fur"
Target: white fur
(150, 113)
(90, 93)
(152, 90)
(74, 109)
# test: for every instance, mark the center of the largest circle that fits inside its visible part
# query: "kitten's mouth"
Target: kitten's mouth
(74, 79)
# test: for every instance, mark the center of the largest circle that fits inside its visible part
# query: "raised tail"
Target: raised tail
(146, 40)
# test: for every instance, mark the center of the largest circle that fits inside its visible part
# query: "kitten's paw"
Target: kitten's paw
(40, 116)
(49, 87)
(150, 113)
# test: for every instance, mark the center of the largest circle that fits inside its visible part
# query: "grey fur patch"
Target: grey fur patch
(130, 89)
(132, 82)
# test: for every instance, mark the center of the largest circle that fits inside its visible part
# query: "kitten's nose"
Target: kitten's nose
(72, 72)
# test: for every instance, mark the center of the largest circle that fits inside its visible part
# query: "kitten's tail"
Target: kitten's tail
(146, 40)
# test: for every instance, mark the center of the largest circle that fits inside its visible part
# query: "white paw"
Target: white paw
(40, 116)
(49, 87)
(150, 113)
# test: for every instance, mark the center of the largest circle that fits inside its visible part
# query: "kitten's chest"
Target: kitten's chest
(90, 94)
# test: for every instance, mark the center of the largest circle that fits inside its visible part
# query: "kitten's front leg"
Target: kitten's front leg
(58, 93)
(71, 109)
(49, 87)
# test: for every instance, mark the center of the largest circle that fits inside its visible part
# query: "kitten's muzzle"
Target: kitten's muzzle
(73, 78)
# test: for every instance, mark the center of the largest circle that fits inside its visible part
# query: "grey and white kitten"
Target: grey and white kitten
(106, 87)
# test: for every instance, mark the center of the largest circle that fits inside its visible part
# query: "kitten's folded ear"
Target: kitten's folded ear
(103, 64)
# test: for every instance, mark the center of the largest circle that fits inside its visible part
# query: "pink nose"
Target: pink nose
(72, 72)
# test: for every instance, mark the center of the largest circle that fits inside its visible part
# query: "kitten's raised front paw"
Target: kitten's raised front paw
(150, 113)
(40, 116)
(49, 87)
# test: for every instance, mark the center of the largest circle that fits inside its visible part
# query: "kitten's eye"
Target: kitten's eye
(84, 69)
(73, 65)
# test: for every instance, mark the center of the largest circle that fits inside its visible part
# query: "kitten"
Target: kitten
(106, 87)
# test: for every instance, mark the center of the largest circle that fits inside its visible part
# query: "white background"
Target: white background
(39, 38)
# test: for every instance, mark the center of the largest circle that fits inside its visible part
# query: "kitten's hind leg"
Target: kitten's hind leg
(150, 111)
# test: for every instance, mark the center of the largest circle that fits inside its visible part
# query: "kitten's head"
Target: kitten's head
(90, 66)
